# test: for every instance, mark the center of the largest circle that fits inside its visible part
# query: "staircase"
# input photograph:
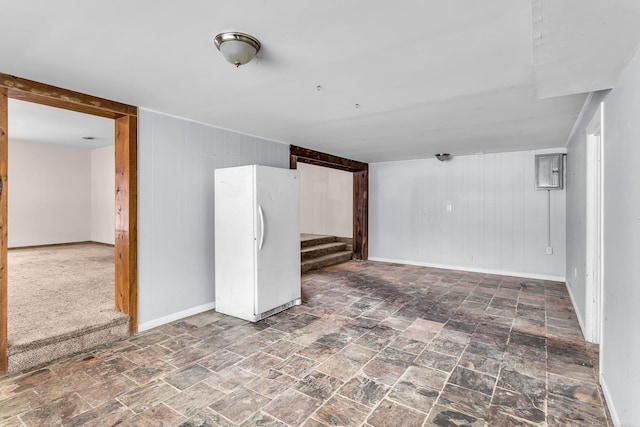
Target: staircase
(317, 251)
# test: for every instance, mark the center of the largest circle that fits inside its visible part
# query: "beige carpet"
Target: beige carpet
(59, 292)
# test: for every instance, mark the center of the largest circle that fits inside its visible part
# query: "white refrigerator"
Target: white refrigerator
(257, 241)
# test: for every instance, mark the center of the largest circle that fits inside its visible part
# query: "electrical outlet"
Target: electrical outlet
(575, 272)
(549, 250)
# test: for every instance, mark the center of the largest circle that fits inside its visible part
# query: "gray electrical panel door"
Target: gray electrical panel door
(549, 171)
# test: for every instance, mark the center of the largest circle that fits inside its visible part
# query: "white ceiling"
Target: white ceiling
(582, 45)
(34, 123)
(455, 75)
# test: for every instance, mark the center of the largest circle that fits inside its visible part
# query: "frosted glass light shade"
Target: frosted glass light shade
(237, 52)
(237, 48)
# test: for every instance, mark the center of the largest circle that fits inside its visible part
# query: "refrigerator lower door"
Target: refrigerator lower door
(278, 240)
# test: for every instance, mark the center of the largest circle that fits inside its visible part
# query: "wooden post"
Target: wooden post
(126, 218)
(4, 157)
(361, 215)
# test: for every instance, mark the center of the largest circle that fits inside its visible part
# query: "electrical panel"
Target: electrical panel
(549, 171)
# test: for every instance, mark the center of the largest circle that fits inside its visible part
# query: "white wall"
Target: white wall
(103, 189)
(620, 351)
(49, 194)
(176, 209)
(326, 201)
(478, 213)
(620, 341)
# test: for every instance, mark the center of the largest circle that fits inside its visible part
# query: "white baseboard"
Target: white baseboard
(608, 400)
(175, 316)
(472, 269)
(578, 313)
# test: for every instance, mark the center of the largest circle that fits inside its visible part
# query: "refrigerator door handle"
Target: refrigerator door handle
(261, 227)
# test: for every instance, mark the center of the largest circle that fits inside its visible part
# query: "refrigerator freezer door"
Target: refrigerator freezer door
(235, 241)
(278, 234)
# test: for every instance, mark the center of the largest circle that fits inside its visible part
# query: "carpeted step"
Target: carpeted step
(323, 249)
(325, 261)
(348, 241)
(25, 356)
(307, 240)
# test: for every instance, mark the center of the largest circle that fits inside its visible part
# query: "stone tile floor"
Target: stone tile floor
(373, 344)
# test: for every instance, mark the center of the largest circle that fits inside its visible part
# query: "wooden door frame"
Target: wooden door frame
(360, 172)
(126, 180)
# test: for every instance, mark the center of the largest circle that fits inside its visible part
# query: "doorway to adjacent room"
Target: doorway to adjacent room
(125, 129)
(317, 167)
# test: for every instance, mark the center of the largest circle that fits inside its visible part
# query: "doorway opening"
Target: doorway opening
(326, 216)
(61, 234)
(594, 229)
(358, 243)
(125, 200)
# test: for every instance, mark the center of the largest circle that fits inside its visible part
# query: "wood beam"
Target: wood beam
(329, 160)
(4, 157)
(126, 219)
(40, 93)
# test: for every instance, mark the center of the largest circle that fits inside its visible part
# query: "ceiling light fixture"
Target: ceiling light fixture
(443, 156)
(237, 48)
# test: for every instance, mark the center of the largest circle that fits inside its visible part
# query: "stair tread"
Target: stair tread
(334, 255)
(308, 240)
(308, 236)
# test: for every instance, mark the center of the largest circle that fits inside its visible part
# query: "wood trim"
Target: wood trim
(40, 93)
(126, 247)
(4, 157)
(360, 172)
(126, 219)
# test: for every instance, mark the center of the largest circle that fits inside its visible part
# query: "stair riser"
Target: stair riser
(310, 254)
(73, 345)
(314, 265)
